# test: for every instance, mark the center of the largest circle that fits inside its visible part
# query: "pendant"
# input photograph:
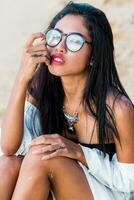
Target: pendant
(71, 119)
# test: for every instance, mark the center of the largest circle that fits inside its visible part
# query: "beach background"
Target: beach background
(19, 19)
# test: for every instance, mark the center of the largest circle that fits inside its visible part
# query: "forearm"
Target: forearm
(12, 125)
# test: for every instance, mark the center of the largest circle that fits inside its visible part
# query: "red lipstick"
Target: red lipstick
(57, 59)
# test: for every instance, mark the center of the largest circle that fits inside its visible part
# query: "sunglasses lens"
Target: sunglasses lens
(53, 37)
(74, 42)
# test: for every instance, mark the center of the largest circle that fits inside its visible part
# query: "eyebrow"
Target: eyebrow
(58, 29)
(70, 32)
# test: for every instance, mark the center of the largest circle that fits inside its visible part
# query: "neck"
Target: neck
(73, 88)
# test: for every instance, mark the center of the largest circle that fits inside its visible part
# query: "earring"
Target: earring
(91, 63)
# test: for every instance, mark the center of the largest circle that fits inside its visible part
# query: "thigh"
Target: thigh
(68, 180)
(33, 182)
(9, 170)
(10, 165)
(66, 177)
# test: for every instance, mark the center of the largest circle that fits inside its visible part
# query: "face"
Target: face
(66, 62)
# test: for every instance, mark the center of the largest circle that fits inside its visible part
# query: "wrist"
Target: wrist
(81, 156)
(22, 80)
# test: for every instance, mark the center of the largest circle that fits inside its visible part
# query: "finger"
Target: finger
(37, 55)
(48, 148)
(41, 54)
(34, 36)
(40, 58)
(41, 47)
(41, 43)
(43, 59)
(45, 139)
(58, 152)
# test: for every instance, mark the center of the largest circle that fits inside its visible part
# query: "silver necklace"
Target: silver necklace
(71, 119)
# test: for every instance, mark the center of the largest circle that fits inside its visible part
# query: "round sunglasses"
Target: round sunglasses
(73, 41)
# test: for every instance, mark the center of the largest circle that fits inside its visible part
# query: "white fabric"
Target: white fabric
(108, 180)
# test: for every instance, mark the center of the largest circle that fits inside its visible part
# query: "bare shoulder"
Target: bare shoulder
(121, 106)
(123, 111)
(124, 117)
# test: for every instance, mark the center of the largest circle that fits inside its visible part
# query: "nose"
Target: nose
(61, 47)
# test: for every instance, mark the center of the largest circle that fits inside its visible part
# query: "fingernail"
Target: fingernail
(43, 35)
(44, 158)
(35, 152)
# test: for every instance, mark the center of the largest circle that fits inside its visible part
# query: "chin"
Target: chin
(54, 71)
(61, 71)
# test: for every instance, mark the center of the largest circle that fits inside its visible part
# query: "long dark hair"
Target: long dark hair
(102, 78)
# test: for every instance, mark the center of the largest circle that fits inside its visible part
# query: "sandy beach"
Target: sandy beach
(19, 19)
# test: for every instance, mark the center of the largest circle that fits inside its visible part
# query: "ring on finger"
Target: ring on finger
(37, 55)
(62, 147)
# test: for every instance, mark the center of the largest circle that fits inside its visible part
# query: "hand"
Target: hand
(56, 145)
(32, 56)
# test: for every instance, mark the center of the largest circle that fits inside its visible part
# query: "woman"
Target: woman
(78, 129)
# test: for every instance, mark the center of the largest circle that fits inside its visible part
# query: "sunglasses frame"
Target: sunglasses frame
(67, 35)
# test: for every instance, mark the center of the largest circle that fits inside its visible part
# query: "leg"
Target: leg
(32, 183)
(9, 169)
(68, 180)
(65, 175)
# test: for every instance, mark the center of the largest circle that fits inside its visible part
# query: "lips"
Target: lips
(57, 59)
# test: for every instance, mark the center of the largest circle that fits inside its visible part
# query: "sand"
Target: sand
(19, 19)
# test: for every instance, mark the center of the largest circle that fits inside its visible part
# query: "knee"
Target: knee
(33, 163)
(60, 163)
(9, 166)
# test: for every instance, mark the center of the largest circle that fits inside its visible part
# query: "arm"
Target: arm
(117, 174)
(12, 125)
(124, 118)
